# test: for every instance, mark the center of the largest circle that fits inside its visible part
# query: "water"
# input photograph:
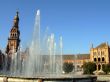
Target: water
(37, 61)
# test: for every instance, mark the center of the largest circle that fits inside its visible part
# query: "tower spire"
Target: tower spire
(16, 20)
(17, 13)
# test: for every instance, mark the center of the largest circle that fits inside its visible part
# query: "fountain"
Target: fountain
(41, 65)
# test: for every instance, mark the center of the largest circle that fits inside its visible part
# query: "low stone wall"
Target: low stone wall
(62, 79)
(103, 78)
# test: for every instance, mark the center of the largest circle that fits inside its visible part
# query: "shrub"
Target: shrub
(89, 67)
(68, 67)
(106, 68)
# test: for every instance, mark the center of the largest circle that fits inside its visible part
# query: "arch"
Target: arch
(103, 59)
(99, 67)
(95, 59)
(13, 35)
(78, 67)
(98, 59)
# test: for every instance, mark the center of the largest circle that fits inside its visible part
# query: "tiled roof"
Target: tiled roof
(83, 56)
(65, 56)
(78, 56)
(102, 45)
(68, 57)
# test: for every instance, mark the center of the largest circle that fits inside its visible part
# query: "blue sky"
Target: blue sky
(80, 22)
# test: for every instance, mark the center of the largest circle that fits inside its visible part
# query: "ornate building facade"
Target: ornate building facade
(100, 55)
(14, 40)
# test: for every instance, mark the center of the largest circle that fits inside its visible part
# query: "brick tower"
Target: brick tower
(14, 40)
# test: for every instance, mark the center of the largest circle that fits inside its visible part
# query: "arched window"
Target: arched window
(98, 59)
(99, 67)
(95, 59)
(103, 59)
(11, 35)
(14, 35)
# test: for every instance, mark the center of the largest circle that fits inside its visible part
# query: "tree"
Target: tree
(106, 68)
(89, 67)
(68, 67)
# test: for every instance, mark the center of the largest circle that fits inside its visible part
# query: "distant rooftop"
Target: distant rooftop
(78, 56)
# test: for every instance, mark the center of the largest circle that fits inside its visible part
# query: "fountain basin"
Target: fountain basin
(74, 78)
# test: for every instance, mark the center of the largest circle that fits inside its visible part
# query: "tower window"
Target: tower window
(15, 35)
